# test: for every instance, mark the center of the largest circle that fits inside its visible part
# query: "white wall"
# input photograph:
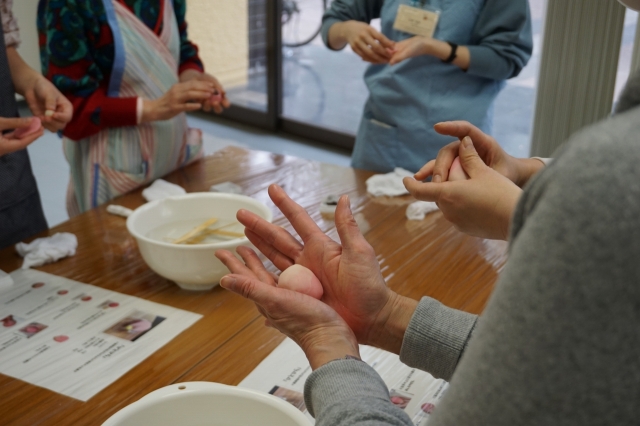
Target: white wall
(220, 28)
(25, 12)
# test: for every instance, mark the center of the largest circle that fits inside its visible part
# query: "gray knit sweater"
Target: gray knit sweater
(559, 341)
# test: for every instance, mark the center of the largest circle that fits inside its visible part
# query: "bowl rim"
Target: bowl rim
(173, 391)
(220, 245)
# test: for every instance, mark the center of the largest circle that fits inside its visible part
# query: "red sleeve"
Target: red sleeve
(97, 112)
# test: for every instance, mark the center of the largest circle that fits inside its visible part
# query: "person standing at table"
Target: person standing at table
(131, 73)
(452, 66)
(21, 212)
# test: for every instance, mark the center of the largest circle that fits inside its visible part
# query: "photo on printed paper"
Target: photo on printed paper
(134, 325)
(292, 397)
(400, 399)
(32, 329)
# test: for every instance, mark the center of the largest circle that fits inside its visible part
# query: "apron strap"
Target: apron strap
(119, 53)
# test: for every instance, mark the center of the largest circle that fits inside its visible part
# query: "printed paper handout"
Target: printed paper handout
(76, 339)
(284, 372)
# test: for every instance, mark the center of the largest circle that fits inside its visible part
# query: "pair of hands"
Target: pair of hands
(374, 47)
(482, 205)
(356, 305)
(46, 103)
(42, 96)
(195, 91)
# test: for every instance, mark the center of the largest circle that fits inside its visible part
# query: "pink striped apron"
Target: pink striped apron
(118, 160)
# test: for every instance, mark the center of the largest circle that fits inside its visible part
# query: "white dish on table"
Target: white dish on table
(207, 403)
(191, 266)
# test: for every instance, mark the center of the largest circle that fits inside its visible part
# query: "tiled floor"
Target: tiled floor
(52, 172)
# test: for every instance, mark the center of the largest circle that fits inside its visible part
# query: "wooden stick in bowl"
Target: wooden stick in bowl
(218, 231)
(195, 231)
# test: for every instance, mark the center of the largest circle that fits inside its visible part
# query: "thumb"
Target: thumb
(471, 162)
(249, 288)
(51, 102)
(346, 225)
(14, 123)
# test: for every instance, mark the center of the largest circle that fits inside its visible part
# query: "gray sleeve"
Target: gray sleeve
(559, 341)
(436, 338)
(349, 10)
(349, 392)
(502, 40)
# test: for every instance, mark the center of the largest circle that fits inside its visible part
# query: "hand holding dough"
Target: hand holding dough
(456, 172)
(33, 127)
(300, 279)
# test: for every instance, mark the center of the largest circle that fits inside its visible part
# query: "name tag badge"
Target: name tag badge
(416, 21)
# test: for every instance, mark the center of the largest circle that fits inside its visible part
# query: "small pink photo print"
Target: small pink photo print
(32, 329)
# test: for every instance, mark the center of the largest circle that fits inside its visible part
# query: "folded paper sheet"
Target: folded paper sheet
(284, 372)
(77, 339)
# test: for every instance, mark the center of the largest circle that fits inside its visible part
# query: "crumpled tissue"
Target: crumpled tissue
(227, 188)
(47, 250)
(161, 189)
(389, 184)
(419, 209)
(119, 210)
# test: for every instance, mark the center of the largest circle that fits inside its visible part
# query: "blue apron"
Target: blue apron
(407, 99)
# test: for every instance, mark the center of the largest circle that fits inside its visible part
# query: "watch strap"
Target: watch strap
(454, 53)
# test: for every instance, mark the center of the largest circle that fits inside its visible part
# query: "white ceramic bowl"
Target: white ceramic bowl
(192, 267)
(206, 403)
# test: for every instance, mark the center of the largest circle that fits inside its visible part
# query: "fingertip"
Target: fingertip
(408, 181)
(345, 203)
(276, 190)
(227, 281)
(221, 254)
(467, 144)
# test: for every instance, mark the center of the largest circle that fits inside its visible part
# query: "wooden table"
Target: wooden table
(428, 257)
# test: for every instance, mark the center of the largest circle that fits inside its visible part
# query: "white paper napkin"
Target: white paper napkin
(48, 249)
(161, 189)
(389, 184)
(419, 209)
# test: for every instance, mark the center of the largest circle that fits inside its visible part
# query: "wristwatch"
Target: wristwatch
(453, 55)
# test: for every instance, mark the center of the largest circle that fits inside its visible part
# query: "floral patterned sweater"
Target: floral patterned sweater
(77, 54)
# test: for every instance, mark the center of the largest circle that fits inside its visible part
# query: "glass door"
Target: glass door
(323, 90)
(279, 74)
